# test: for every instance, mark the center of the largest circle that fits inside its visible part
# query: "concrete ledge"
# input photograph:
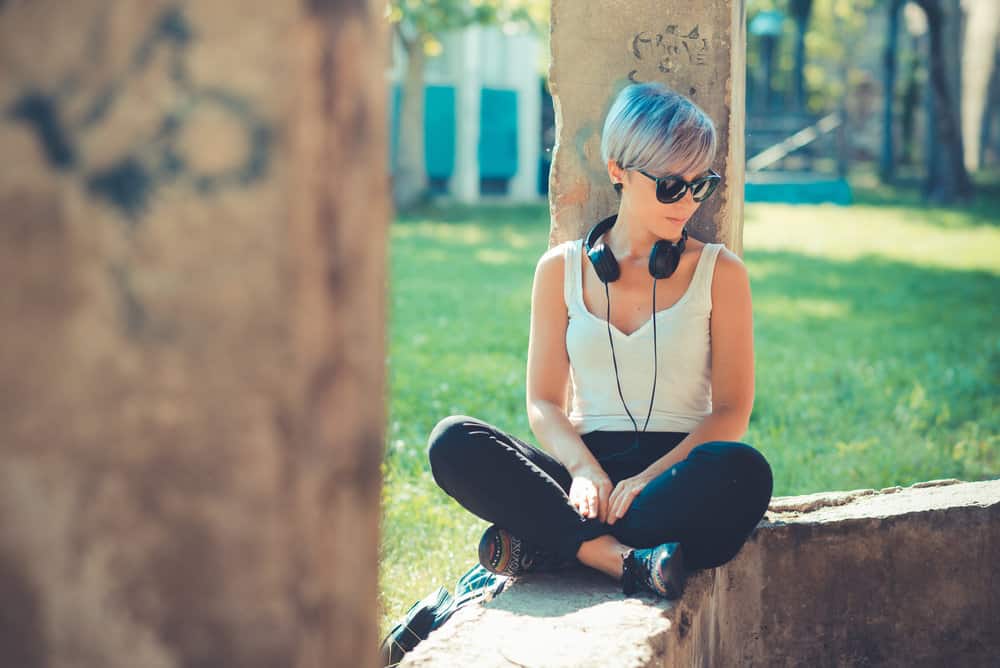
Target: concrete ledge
(899, 576)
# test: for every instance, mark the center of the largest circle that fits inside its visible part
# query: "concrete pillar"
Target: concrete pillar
(982, 24)
(465, 180)
(192, 298)
(697, 48)
(521, 66)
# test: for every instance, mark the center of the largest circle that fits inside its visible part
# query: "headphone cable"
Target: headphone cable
(655, 356)
(614, 361)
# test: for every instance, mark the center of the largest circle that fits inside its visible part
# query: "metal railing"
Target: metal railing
(800, 139)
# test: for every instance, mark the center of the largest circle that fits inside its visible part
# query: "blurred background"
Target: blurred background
(834, 87)
(870, 235)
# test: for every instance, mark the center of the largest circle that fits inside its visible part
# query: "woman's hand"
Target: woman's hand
(623, 495)
(589, 492)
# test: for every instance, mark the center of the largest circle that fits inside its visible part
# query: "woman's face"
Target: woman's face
(639, 203)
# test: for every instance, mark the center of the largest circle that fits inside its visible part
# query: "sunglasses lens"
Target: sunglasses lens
(669, 189)
(703, 188)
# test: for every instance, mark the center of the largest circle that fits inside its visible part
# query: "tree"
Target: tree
(887, 164)
(420, 25)
(800, 9)
(832, 30)
(947, 179)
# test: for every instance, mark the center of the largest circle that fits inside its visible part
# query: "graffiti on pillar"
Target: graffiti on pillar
(131, 179)
(670, 49)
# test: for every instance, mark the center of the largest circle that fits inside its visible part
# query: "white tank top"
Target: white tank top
(683, 338)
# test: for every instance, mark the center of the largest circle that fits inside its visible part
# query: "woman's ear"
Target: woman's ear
(616, 173)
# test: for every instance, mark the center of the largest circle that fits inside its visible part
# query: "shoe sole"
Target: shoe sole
(497, 552)
(674, 575)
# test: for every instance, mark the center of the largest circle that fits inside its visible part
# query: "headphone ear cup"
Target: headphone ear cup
(663, 259)
(605, 264)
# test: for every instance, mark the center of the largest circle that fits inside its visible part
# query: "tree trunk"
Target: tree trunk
(410, 182)
(947, 179)
(800, 65)
(193, 357)
(887, 165)
(767, 46)
(801, 9)
(911, 99)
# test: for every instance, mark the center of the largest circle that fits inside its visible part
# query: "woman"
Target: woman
(645, 507)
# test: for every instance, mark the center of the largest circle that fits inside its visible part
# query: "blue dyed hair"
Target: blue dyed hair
(653, 128)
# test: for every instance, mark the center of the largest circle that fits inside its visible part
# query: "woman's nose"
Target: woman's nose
(687, 200)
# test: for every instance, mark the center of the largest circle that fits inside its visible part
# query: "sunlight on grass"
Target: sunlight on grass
(801, 308)
(877, 354)
(923, 238)
(494, 256)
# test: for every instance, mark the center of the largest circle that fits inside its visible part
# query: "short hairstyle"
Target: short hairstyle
(653, 128)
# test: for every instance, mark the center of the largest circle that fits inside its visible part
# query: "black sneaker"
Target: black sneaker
(659, 570)
(422, 617)
(503, 553)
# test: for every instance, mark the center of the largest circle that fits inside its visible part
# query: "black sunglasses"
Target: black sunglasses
(671, 188)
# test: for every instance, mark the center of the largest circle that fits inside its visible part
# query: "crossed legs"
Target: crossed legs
(710, 502)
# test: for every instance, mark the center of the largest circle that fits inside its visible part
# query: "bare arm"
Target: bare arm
(732, 363)
(548, 377)
(548, 368)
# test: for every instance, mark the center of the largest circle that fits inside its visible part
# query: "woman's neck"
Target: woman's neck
(630, 240)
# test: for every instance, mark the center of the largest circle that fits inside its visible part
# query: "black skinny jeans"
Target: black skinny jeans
(710, 502)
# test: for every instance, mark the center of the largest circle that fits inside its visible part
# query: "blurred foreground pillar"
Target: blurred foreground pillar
(698, 48)
(193, 210)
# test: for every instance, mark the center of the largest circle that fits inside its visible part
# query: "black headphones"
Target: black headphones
(663, 259)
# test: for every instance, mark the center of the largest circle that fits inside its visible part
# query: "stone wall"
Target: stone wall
(896, 577)
(193, 211)
(599, 47)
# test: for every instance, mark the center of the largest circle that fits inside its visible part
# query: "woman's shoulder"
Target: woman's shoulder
(699, 245)
(550, 268)
(727, 258)
(554, 258)
(730, 273)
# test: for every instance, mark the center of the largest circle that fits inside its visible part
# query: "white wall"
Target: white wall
(471, 59)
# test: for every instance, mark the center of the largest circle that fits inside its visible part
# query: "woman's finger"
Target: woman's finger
(627, 502)
(612, 501)
(604, 501)
(622, 503)
(605, 506)
(613, 505)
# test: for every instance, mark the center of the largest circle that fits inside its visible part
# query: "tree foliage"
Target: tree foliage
(426, 20)
(834, 36)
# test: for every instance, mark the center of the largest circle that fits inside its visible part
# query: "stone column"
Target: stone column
(523, 77)
(598, 47)
(982, 23)
(465, 180)
(193, 211)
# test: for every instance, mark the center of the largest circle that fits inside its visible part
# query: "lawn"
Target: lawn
(877, 353)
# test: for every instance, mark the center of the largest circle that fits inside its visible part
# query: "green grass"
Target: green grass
(877, 353)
